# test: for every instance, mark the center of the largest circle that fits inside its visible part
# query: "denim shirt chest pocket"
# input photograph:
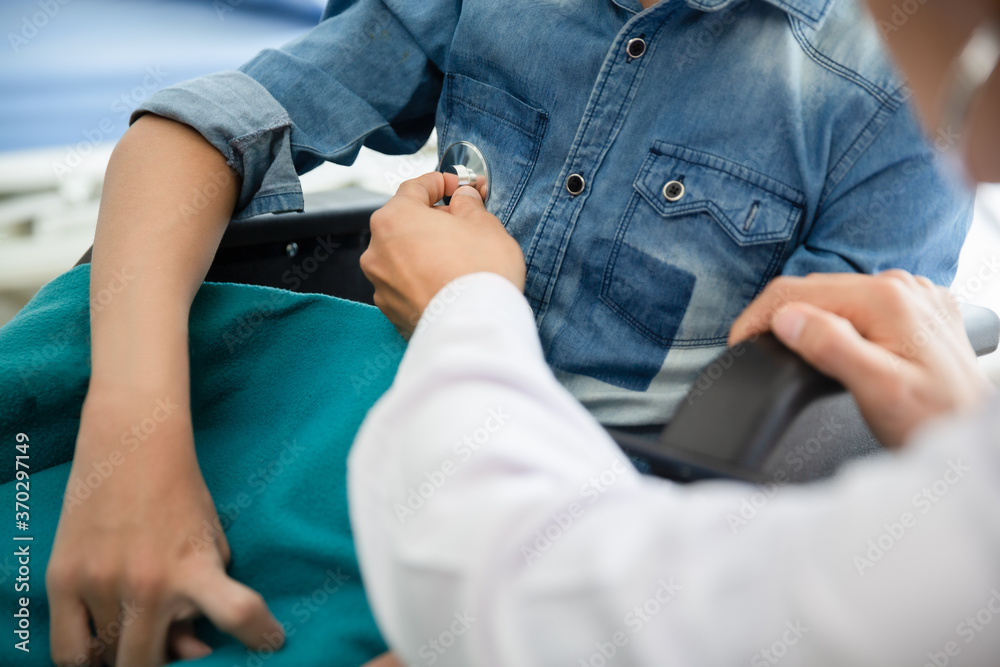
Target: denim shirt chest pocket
(508, 132)
(700, 238)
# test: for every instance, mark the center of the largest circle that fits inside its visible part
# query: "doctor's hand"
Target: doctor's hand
(138, 551)
(417, 248)
(896, 342)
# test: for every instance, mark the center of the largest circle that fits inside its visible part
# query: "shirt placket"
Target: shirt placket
(611, 98)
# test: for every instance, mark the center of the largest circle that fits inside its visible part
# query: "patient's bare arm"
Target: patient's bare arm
(141, 546)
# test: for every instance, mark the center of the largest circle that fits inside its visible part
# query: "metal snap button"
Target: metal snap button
(673, 190)
(575, 184)
(636, 47)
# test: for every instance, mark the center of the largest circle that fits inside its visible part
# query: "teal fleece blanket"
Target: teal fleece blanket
(280, 384)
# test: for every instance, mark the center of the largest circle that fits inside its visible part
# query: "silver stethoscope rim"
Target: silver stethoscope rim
(455, 150)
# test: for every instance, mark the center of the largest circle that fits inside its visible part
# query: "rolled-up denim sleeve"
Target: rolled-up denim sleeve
(893, 202)
(368, 74)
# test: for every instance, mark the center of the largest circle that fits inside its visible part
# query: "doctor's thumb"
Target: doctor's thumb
(466, 200)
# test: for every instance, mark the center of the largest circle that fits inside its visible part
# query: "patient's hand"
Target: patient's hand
(418, 248)
(894, 340)
(384, 660)
(138, 549)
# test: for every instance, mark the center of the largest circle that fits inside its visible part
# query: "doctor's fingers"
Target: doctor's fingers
(881, 308)
(426, 190)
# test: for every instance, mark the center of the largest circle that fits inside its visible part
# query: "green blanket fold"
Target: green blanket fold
(280, 384)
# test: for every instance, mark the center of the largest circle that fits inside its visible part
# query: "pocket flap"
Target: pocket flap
(752, 208)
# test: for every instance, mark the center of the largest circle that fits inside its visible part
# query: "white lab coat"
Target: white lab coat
(497, 524)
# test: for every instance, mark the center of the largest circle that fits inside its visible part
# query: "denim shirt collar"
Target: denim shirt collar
(812, 12)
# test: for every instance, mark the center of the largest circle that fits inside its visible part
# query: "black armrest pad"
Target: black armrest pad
(729, 423)
(333, 213)
(760, 400)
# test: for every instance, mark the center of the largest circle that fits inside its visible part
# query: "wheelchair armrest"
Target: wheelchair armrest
(334, 213)
(315, 251)
(758, 413)
(982, 326)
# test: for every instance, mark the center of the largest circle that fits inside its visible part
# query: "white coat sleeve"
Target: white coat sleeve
(497, 524)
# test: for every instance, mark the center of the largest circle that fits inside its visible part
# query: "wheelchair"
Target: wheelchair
(758, 414)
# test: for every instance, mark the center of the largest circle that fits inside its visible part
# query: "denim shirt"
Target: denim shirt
(655, 186)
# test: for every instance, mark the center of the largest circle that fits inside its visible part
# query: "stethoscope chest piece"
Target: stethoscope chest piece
(463, 163)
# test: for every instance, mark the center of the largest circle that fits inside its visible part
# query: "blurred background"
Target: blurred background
(72, 71)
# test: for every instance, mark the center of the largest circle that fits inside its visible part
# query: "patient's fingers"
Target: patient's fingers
(183, 644)
(144, 639)
(69, 629)
(106, 612)
(237, 609)
(223, 546)
(384, 660)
